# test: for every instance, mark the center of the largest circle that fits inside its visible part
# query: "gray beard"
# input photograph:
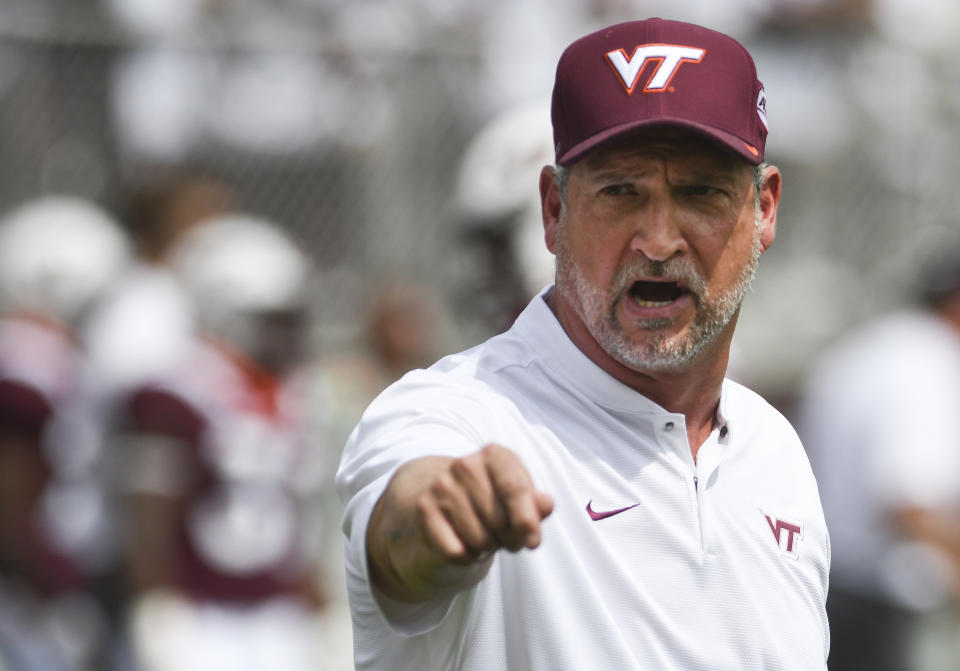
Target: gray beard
(655, 350)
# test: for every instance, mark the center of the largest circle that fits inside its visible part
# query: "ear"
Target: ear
(550, 206)
(769, 202)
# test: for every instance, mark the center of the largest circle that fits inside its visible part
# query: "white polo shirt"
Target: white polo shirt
(716, 565)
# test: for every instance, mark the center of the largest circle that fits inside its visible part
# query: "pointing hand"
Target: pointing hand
(440, 520)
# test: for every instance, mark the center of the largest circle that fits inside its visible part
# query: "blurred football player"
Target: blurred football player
(144, 323)
(218, 471)
(502, 260)
(57, 256)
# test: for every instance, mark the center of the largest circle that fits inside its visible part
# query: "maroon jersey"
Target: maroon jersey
(216, 443)
(41, 459)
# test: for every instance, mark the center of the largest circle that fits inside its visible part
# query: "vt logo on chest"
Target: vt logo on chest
(787, 534)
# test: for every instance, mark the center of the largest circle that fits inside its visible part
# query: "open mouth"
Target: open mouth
(656, 294)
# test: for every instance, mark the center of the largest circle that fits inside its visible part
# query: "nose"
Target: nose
(657, 232)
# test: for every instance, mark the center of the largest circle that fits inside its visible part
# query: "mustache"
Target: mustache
(677, 269)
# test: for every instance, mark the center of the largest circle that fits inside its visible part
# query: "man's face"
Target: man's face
(656, 246)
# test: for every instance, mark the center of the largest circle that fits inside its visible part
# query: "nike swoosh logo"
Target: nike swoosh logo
(594, 515)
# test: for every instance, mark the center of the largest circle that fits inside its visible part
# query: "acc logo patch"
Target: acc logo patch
(762, 107)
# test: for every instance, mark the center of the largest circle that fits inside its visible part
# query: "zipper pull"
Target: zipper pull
(696, 481)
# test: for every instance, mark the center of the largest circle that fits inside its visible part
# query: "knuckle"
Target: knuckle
(524, 524)
(459, 556)
(442, 487)
(423, 509)
(464, 468)
(494, 451)
(514, 484)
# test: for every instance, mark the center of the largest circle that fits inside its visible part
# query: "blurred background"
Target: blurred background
(303, 199)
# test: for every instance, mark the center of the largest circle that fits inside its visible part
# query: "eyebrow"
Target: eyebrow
(615, 174)
(724, 175)
(721, 174)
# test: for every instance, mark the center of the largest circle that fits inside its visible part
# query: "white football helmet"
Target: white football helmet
(241, 270)
(58, 254)
(498, 183)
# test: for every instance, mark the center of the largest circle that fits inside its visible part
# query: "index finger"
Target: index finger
(525, 507)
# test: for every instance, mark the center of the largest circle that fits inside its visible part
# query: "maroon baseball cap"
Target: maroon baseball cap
(657, 72)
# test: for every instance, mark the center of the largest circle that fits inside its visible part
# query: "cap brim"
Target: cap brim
(748, 152)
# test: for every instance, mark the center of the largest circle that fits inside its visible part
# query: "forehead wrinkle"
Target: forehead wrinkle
(663, 144)
(714, 175)
(621, 165)
(677, 166)
(615, 174)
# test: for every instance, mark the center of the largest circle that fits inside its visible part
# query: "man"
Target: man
(878, 415)
(672, 514)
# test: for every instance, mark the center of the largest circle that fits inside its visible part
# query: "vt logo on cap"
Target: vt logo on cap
(671, 57)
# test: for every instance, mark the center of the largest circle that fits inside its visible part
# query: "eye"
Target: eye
(618, 190)
(700, 190)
